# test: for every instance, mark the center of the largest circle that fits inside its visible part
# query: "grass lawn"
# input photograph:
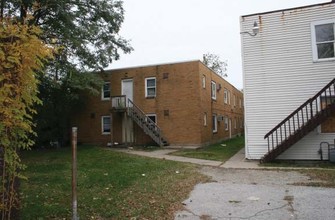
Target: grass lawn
(216, 151)
(111, 185)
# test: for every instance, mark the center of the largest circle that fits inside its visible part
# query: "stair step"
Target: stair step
(304, 128)
(147, 126)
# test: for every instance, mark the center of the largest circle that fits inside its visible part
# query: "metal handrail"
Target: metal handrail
(152, 128)
(301, 116)
(309, 101)
(119, 101)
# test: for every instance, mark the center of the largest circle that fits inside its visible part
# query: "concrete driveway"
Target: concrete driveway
(257, 194)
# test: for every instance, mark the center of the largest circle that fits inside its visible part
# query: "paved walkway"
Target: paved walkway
(237, 161)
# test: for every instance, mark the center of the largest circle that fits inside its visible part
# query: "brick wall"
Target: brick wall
(179, 104)
(219, 107)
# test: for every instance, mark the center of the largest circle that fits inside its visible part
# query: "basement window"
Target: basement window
(323, 40)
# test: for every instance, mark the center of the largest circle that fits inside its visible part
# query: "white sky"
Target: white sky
(167, 31)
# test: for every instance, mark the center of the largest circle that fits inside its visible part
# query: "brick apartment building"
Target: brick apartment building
(177, 104)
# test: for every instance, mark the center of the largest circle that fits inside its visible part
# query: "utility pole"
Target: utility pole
(74, 174)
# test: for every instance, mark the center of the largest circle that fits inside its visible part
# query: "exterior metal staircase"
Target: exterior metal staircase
(138, 116)
(148, 126)
(299, 123)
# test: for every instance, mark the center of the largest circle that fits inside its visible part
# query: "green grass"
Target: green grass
(110, 185)
(320, 177)
(216, 151)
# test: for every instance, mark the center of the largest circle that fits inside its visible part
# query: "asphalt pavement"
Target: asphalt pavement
(241, 189)
(257, 194)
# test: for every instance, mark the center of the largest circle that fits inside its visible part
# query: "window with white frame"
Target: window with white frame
(152, 121)
(203, 81)
(106, 91)
(150, 87)
(215, 123)
(105, 124)
(228, 97)
(226, 123)
(152, 117)
(235, 123)
(225, 96)
(213, 90)
(234, 100)
(323, 40)
(205, 119)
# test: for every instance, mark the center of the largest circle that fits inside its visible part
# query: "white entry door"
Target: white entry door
(127, 89)
(127, 123)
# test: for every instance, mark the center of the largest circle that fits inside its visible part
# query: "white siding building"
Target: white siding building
(282, 68)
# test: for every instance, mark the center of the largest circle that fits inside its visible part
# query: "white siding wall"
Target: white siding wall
(280, 75)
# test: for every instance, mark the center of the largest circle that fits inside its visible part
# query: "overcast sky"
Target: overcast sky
(167, 31)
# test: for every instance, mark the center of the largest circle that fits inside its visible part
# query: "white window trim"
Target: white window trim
(213, 92)
(226, 123)
(215, 126)
(152, 115)
(228, 97)
(102, 124)
(314, 47)
(146, 86)
(103, 92)
(203, 81)
(235, 123)
(225, 96)
(205, 119)
(234, 100)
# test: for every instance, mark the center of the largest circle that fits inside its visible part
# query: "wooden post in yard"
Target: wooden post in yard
(74, 174)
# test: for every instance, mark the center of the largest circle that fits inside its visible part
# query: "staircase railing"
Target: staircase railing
(148, 126)
(302, 116)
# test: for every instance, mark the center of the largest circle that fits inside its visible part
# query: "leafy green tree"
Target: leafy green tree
(86, 33)
(214, 62)
(86, 30)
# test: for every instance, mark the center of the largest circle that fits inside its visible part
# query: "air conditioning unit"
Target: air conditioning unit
(220, 118)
